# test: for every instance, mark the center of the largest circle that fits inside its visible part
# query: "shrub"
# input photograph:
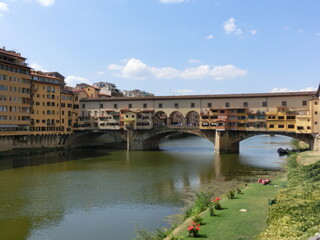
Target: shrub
(230, 195)
(239, 191)
(198, 220)
(211, 210)
(193, 230)
(216, 203)
(201, 203)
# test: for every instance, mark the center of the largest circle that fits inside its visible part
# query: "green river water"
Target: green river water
(99, 194)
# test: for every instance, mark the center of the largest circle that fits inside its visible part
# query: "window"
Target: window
(281, 126)
(130, 105)
(83, 106)
(245, 104)
(315, 112)
(227, 104)
(176, 105)
(264, 104)
(101, 105)
(192, 105)
(271, 126)
(281, 117)
(115, 106)
(315, 103)
(145, 105)
(210, 105)
(304, 103)
(160, 105)
(290, 126)
(284, 103)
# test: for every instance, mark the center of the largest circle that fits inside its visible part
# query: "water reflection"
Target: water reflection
(102, 193)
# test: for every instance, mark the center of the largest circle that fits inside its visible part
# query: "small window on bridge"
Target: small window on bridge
(284, 103)
(129, 105)
(300, 128)
(144, 105)
(227, 104)
(176, 105)
(209, 105)
(304, 103)
(192, 105)
(271, 126)
(280, 126)
(245, 104)
(83, 106)
(160, 105)
(264, 104)
(290, 126)
(115, 106)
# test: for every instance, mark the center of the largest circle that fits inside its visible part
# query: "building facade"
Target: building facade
(15, 94)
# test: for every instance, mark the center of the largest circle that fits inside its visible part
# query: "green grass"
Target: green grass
(230, 223)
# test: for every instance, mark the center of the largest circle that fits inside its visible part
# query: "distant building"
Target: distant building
(137, 93)
(108, 89)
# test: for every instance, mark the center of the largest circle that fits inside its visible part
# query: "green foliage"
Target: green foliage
(296, 213)
(295, 143)
(238, 191)
(146, 235)
(231, 195)
(201, 203)
(198, 220)
(211, 211)
(178, 238)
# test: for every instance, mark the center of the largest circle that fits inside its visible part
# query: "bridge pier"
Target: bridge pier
(224, 142)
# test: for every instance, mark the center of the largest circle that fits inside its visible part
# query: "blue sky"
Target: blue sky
(170, 47)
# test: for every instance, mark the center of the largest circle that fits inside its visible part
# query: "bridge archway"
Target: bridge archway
(176, 118)
(192, 118)
(161, 119)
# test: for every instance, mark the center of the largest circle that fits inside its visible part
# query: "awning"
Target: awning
(8, 126)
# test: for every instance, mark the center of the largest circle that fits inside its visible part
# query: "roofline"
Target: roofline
(217, 96)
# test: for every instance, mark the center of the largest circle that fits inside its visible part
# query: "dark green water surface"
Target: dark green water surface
(98, 194)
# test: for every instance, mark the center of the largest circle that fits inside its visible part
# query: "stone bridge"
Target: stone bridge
(224, 141)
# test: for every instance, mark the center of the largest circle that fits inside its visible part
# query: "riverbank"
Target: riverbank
(295, 214)
(230, 222)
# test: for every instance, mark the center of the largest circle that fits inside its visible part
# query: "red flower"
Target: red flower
(190, 228)
(217, 198)
(198, 228)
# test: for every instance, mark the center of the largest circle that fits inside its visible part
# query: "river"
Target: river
(99, 194)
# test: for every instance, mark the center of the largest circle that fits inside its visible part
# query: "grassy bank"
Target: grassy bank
(230, 222)
(296, 213)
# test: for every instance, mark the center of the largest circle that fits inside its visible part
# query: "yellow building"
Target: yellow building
(14, 94)
(69, 108)
(45, 113)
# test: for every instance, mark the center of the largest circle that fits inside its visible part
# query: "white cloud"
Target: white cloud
(100, 73)
(253, 32)
(172, 1)
(46, 3)
(38, 67)
(183, 92)
(307, 89)
(231, 27)
(209, 37)
(73, 80)
(318, 34)
(136, 69)
(192, 61)
(3, 8)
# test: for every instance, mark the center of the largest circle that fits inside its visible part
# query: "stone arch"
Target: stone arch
(176, 118)
(192, 118)
(161, 118)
